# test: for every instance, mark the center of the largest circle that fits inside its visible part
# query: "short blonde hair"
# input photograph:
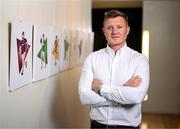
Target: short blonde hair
(113, 14)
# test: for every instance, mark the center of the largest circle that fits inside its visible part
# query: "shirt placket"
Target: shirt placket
(112, 77)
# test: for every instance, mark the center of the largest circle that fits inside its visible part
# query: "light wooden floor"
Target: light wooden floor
(150, 120)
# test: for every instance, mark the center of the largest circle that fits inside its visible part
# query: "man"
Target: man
(114, 80)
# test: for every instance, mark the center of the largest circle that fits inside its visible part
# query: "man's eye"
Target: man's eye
(109, 28)
(119, 27)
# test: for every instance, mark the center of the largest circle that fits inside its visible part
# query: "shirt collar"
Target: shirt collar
(111, 51)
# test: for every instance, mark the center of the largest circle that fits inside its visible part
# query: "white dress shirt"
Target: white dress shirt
(116, 104)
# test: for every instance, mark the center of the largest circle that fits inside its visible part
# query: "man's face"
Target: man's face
(116, 31)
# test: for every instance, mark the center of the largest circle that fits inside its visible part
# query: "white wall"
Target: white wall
(47, 103)
(0, 70)
(163, 21)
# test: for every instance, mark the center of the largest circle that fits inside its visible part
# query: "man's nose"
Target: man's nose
(114, 30)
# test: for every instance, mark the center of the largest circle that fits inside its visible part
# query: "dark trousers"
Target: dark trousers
(96, 125)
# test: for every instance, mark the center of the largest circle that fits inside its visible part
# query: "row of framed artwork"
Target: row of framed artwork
(37, 52)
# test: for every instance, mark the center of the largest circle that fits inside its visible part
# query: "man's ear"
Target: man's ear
(103, 30)
(128, 30)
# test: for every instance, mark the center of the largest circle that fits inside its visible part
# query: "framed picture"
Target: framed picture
(88, 39)
(90, 43)
(20, 55)
(55, 51)
(75, 49)
(66, 49)
(41, 41)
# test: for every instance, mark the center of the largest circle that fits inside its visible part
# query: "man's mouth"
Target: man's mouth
(115, 37)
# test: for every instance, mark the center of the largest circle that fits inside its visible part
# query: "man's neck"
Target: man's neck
(117, 47)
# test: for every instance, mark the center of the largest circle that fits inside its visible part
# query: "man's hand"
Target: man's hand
(133, 82)
(96, 84)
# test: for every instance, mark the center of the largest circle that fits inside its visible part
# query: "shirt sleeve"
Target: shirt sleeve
(130, 95)
(87, 95)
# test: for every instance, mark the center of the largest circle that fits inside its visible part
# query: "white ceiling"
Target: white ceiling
(116, 3)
